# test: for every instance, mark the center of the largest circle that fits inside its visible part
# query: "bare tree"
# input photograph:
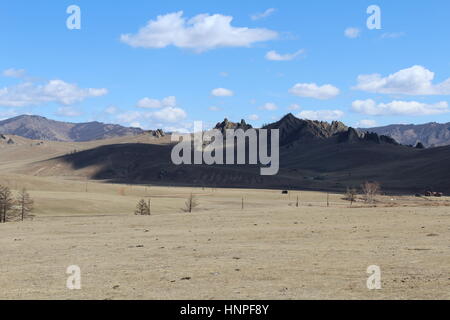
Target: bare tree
(370, 191)
(25, 204)
(190, 204)
(142, 209)
(350, 195)
(6, 203)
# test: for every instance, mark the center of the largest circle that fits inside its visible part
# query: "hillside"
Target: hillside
(430, 134)
(314, 155)
(40, 128)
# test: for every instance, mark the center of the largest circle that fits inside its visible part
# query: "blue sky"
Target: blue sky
(316, 59)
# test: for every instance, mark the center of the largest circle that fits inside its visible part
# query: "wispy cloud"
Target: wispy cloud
(397, 108)
(262, 15)
(352, 33)
(58, 91)
(275, 56)
(312, 90)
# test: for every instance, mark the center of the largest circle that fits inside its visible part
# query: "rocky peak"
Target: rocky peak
(293, 129)
(228, 125)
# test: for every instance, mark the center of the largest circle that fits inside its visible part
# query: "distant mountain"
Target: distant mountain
(430, 134)
(40, 128)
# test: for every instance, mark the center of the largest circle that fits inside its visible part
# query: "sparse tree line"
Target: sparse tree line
(369, 191)
(143, 208)
(15, 207)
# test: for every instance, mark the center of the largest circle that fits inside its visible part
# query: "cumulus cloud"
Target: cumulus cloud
(312, 90)
(262, 15)
(222, 92)
(165, 115)
(170, 114)
(200, 33)
(68, 112)
(406, 108)
(253, 117)
(31, 94)
(275, 56)
(322, 115)
(366, 124)
(214, 108)
(352, 33)
(269, 106)
(148, 103)
(14, 73)
(416, 80)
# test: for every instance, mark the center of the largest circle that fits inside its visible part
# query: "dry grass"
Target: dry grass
(270, 250)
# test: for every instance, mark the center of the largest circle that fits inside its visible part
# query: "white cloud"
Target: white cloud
(68, 112)
(269, 106)
(416, 80)
(293, 107)
(14, 73)
(275, 56)
(148, 103)
(406, 108)
(366, 124)
(312, 90)
(201, 33)
(214, 108)
(170, 114)
(222, 92)
(224, 74)
(322, 115)
(31, 94)
(352, 33)
(253, 117)
(262, 15)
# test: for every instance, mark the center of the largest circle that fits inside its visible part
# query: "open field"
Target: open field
(269, 250)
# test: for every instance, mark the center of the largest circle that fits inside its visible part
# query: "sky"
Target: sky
(165, 64)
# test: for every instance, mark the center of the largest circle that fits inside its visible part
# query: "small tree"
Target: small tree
(6, 203)
(370, 191)
(350, 195)
(142, 208)
(25, 204)
(190, 204)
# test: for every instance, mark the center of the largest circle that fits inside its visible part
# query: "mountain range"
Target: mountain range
(314, 155)
(40, 128)
(429, 134)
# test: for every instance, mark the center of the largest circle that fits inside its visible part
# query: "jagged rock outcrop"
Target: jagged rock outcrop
(293, 129)
(354, 136)
(157, 133)
(228, 125)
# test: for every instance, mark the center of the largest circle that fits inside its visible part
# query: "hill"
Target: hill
(314, 155)
(430, 134)
(40, 128)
